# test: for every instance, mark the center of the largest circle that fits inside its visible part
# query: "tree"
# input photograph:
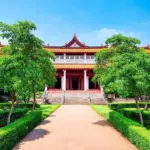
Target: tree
(10, 77)
(30, 64)
(124, 68)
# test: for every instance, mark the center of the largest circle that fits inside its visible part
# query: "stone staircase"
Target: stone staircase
(55, 98)
(76, 97)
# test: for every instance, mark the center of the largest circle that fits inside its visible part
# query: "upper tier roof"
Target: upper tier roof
(74, 44)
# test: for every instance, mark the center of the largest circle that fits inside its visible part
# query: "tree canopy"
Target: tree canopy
(122, 51)
(124, 69)
(24, 65)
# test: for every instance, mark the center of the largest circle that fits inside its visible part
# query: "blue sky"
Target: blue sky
(92, 20)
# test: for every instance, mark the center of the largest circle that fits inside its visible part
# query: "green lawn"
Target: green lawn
(11, 134)
(136, 133)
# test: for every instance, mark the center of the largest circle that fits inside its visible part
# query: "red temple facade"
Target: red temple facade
(74, 64)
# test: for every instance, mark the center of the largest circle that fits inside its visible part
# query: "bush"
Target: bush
(119, 106)
(12, 133)
(48, 109)
(132, 130)
(16, 114)
(8, 105)
(133, 114)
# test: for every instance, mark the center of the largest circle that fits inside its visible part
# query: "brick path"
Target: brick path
(74, 127)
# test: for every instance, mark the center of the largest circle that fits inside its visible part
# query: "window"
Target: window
(77, 57)
(82, 57)
(57, 56)
(92, 57)
(71, 57)
(62, 57)
(87, 57)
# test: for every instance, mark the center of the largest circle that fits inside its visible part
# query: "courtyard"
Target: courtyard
(74, 127)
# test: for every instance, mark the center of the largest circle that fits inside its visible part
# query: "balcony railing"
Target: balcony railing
(74, 59)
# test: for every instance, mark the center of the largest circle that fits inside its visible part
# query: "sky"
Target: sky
(91, 20)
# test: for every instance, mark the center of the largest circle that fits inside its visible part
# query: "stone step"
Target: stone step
(72, 98)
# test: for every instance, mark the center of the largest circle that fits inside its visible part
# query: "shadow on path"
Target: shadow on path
(44, 122)
(32, 136)
(102, 123)
(36, 134)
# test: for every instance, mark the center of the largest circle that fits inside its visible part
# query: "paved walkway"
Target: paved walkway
(74, 127)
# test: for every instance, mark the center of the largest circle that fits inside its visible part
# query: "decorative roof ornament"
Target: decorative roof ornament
(75, 43)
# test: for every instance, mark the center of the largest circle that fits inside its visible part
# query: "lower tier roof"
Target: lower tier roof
(74, 66)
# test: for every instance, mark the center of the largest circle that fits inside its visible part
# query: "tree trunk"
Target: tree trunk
(12, 106)
(140, 113)
(146, 106)
(34, 100)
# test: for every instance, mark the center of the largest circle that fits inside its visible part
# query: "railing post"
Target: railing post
(64, 57)
(84, 57)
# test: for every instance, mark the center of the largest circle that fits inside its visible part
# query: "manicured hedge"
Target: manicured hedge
(47, 109)
(16, 114)
(133, 114)
(11, 134)
(117, 106)
(7, 105)
(136, 133)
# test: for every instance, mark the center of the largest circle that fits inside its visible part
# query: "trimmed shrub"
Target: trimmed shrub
(16, 114)
(119, 106)
(48, 109)
(133, 114)
(7, 105)
(132, 130)
(12, 133)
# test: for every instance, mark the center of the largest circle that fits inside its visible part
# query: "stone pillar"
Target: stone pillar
(64, 88)
(85, 80)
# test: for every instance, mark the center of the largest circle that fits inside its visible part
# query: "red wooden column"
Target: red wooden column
(82, 83)
(70, 83)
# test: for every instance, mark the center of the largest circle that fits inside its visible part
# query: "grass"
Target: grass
(132, 130)
(15, 131)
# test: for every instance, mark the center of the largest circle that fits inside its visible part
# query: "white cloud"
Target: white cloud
(98, 37)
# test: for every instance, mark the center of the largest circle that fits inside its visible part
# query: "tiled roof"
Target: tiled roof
(74, 50)
(74, 66)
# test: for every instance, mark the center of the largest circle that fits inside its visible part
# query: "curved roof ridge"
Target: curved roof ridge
(75, 40)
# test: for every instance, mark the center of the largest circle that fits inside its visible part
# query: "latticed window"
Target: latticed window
(57, 56)
(92, 57)
(76, 57)
(62, 57)
(82, 57)
(67, 57)
(71, 57)
(87, 57)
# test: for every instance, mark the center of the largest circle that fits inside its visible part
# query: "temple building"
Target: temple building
(74, 63)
